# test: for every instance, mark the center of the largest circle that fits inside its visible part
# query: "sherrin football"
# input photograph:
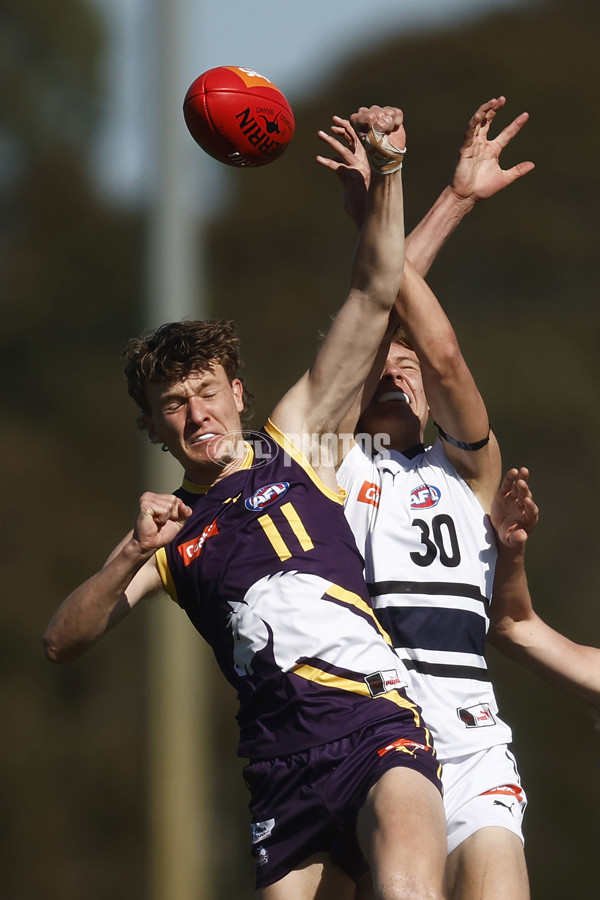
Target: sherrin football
(238, 116)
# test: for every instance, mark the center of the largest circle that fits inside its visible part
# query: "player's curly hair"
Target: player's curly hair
(175, 350)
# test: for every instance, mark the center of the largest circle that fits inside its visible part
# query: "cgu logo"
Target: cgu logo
(369, 493)
(426, 496)
(266, 495)
(192, 549)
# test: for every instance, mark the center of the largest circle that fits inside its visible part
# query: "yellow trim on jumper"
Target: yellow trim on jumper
(165, 574)
(352, 599)
(288, 447)
(327, 679)
(192, 488)
(297, 527)
(277, 542)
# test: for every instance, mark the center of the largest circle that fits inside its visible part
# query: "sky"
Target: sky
(296, 45)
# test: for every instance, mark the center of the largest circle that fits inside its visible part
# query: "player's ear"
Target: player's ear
(238, 392)
(147, 424)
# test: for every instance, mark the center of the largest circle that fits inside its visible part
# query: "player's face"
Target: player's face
(199, 421)
(399, 406)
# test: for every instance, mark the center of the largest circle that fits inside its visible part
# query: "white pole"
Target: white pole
(179, 669)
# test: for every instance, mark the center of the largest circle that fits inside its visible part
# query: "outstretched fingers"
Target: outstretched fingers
(521, 490)
(514, 513)
(508, 133)
(344, 153)
(350, 164)
(483, 118)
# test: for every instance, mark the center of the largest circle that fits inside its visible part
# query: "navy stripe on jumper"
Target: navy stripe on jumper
(444, 670)
(434, 588)
(445, 630)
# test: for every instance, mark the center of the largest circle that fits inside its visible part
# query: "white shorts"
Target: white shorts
(480, 790)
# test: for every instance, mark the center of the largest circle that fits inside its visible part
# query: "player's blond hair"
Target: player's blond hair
(400, 336)
(177, 349)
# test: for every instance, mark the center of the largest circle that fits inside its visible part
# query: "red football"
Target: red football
(238, 116)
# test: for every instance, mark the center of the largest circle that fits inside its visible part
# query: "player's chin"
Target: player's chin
(221, 449)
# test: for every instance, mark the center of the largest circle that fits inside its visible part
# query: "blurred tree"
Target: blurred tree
(519, 282)
(72, 753)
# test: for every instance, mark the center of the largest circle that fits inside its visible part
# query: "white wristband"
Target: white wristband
(384, 158)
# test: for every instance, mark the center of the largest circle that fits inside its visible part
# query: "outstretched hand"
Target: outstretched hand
(350, 161)
(514, 515)
(350, 164)
(159, 520)
(478, 174)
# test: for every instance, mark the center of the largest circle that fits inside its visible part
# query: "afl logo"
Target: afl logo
(426, 496)
(266, 495)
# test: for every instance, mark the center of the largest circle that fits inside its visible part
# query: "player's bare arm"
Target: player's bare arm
(452, 394)
(322, 397)
(478, 175)
(515, 628)
(129, 574)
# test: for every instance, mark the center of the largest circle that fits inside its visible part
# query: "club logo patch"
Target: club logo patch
(369, 493)
(479, 716)
(426, 496)
(191, 550)
(266, 495)
(382, 682)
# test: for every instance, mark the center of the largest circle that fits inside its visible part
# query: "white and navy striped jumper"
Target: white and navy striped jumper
(430, 555)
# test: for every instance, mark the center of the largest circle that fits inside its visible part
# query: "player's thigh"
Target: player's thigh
(317, 878)
(488, 865)
(402, 831)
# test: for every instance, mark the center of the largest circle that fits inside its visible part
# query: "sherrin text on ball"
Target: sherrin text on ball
(238, 116)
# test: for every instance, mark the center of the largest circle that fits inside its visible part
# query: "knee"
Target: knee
(408, 887)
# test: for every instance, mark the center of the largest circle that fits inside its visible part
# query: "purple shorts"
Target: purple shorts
(308, 802)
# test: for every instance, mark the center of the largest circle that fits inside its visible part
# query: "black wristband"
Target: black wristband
(463, 445)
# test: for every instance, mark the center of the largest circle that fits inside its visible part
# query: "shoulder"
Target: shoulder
(356, 464)
(299, 455)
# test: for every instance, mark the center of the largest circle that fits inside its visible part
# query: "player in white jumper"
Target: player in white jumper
(420, 516)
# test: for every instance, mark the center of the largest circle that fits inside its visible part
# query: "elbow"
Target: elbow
(448, 357)
(55, 653)
(52, 652)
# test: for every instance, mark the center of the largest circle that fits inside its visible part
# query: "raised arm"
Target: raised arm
(454, 399)
(129, 574)
(318, 402)
(452, 394)
(477, 176)
(515, 629)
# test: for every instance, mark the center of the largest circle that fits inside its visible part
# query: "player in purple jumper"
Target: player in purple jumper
(256, 549)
